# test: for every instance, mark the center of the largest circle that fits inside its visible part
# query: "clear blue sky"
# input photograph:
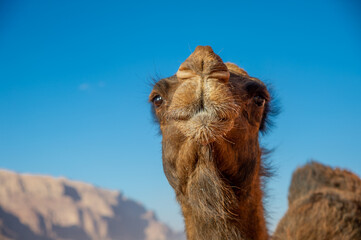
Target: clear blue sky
(74, 82)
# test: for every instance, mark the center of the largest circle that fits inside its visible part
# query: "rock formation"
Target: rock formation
(47, 208)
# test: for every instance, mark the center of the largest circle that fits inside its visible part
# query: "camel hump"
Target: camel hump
(203, 63)
(315, 176)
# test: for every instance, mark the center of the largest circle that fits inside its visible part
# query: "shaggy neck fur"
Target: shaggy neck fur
(223, 202)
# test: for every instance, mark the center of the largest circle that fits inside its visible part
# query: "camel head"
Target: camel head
(210, 114)
(210, 102)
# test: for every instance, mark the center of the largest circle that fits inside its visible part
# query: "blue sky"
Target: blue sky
(74, 82)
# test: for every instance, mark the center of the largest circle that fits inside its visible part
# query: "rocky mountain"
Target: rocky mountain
(47, 208)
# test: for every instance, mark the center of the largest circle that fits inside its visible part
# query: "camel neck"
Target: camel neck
(224, 205)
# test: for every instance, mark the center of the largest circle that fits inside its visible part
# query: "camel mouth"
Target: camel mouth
(205, 127)
(221, 111)
(201, 116)
(188, 117)
(205, 120)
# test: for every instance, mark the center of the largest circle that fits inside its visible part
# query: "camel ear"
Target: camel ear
(233, 68)
(203, 63)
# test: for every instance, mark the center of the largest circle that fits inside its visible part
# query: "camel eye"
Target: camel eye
(157, 101)
(260, 101)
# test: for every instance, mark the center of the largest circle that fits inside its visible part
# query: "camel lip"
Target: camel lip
(200, 114)
(205, 127)
(223, 112)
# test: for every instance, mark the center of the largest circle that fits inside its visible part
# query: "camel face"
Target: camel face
(207, 99)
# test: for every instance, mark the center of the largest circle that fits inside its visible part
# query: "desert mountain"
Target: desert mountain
(47, 208)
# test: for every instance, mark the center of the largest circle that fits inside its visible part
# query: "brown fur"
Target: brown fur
(315, 176)
(324, 203)
(210, 116)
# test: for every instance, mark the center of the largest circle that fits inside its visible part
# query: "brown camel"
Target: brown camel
(324, 203)
(210, 116)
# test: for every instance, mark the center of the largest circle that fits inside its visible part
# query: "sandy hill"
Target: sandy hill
(47, 208)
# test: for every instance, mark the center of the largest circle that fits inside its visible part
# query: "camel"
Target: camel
(324, 203)
(210, 114)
